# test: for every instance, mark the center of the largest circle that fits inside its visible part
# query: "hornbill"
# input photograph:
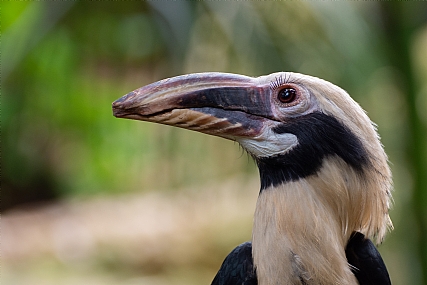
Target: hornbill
(325, 179)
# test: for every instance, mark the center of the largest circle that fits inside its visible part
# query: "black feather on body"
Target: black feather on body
(363, 257)
(237, 268)
(366, 261)
(319, 136)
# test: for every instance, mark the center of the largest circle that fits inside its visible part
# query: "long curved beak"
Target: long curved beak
(221, 104)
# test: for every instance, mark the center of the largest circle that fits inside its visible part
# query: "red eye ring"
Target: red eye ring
(287, 95)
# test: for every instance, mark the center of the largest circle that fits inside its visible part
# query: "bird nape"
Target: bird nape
(325, 179)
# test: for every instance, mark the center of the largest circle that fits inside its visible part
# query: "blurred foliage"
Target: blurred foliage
(64, 62)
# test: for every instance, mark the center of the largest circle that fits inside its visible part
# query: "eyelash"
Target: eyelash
(279, 82)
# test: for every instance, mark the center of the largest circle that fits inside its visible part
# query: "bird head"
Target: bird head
(296, 127)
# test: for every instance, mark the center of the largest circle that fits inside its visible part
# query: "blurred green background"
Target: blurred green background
(89, 198)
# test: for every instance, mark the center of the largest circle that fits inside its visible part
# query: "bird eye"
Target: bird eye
(287, 95)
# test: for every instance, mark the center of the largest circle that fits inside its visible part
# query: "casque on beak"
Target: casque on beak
(221, 104)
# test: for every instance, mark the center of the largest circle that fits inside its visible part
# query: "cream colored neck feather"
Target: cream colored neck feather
(301, 228)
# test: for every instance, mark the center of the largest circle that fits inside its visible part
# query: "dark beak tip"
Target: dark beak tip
(122, 100)
(120, 105)
(117, 107)
(117, 111)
